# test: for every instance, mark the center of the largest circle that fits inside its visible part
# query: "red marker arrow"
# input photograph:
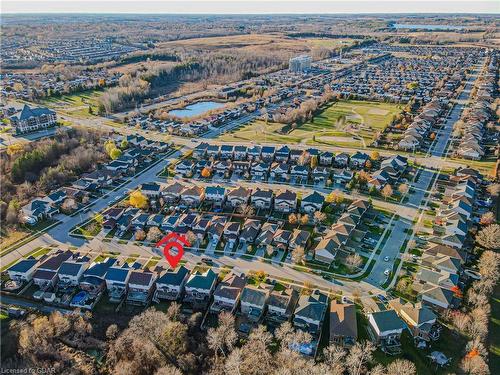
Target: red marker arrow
(176, 241)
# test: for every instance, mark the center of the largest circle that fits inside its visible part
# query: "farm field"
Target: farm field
(347, 123)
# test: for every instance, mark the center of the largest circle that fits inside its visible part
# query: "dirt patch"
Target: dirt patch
(377, 111)
(335, 139)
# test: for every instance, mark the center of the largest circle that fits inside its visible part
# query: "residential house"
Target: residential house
(267, 153)
(326, 158)
(285, 201)
(439, 298)
(259, 170)
(140, 287)
(228, 292)
(310, 312)
(343, 324)
(215, 194)
(253, 300)
(385, 328)
(279, 171)
(421, 320)
(342, 159)
(172, 192)
(238, 196)
(262, 198)
(312, 202)
(192, 196)
(23, 270)
(69, 273)
(116, 279)
(359, 159)
(281, 305)
(299, 173)
(249, 232)
(199, 287)
(184, 167)
(170, 285)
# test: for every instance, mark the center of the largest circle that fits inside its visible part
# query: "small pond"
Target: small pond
(196, 109)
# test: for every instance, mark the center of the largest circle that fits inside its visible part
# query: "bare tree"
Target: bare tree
(489, 237)
(319, 217)
(298, 255)
(223, 338)
(358, 357)
(334, 357)
(387, 191)
(401, 366)
(112, 332)
(353, 261)
(487, 219)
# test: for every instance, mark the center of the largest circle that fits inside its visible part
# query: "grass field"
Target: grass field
(347, 123)
(76, 104)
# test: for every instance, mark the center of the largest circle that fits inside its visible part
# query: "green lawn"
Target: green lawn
(335, 125)
(76, 104)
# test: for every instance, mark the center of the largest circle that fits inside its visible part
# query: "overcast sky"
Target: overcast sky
(250, 6)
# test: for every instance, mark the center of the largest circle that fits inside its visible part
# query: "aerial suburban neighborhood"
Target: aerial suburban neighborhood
(272, 192)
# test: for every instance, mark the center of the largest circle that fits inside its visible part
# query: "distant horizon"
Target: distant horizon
(249, 7)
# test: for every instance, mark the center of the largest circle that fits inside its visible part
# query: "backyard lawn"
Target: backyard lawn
(347, 123)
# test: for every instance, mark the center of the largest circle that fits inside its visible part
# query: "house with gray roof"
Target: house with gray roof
(310, 311)
(33, 119)
(421, 320)
(116, 279)
(312, 202)
(254, 299)
(23, 270)
(70, 272)
(140, 287)
(385, 329)
(170, 284)
(281, 305)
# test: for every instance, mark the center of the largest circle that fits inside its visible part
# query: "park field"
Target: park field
(347, 123)
(76, 105)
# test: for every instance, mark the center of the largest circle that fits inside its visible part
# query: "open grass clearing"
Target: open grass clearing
(347, 123)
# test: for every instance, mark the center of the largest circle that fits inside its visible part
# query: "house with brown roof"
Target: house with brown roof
(228, 292)
(343, 324)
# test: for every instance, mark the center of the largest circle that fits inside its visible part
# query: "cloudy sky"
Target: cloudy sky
(250, 6)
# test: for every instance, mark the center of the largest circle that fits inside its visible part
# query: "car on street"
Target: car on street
(382, 298)
(387, 272)
(386, 259)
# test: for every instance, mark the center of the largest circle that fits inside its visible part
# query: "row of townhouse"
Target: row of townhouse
(213, 227)
(475, 118)
(198, 289)
(341, 232)
(418, 130)
(285, 201)
(440, 278)
(283, 154)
